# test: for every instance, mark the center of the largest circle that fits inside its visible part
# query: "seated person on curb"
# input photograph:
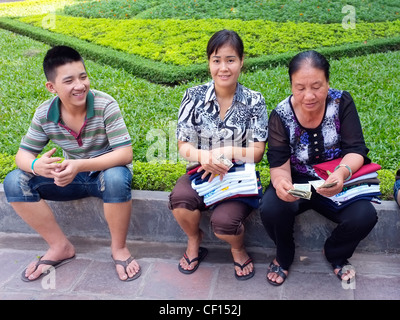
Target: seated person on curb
(396, 188)
(221, 117)
(315, 124)
(88, 126)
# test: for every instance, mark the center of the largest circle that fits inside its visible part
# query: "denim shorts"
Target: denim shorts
(111, 185)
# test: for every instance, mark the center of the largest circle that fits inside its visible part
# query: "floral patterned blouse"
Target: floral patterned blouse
(338, 134)
(199, 120)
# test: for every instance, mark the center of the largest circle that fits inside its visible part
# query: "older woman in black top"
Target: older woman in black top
(313, 125)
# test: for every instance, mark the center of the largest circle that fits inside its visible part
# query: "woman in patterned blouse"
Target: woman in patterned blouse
(219, 117)
(314, 124)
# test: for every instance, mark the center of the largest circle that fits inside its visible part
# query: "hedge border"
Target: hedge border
(156, 176)
(161, 73)
(150, 70)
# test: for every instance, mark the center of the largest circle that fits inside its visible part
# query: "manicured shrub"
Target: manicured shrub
(183, 42)
(7, 164)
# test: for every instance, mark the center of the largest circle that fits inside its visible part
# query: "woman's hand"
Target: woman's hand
(282, 181)
(282, 187)
(335, 189)
(211, 165)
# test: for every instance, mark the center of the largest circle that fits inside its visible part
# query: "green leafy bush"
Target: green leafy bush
(387, 179)
(158, 72)
(183, 42)
(144, 68)
(273, 10)
(373, 80)
(279, 11)
(30, 7)
(7, 164)
(156, 176)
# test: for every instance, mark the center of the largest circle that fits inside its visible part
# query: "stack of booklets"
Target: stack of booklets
(364, 183)
(242, 182)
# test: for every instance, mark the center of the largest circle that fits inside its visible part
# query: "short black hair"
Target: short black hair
(314, 58)
(58, 56)
(222, 37)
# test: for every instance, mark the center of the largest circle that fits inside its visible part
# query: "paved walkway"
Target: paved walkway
(92, 276)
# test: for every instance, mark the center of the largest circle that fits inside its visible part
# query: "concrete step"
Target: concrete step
(152, 221)
(92, 276)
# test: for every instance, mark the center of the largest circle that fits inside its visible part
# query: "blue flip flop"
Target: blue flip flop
(202, 254)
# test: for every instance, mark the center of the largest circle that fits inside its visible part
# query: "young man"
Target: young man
(88, 126)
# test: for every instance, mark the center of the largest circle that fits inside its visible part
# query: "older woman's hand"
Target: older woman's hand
(282, 188)
(335, 189)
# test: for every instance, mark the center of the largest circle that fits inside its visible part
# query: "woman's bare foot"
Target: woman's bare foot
(347, 272)
(192, 251)
(273, 275)
(240, 256)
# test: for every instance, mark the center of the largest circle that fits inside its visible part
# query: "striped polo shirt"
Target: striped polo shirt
(104, 128)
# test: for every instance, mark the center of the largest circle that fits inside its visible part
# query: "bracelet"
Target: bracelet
(348, 168)
(33, 171)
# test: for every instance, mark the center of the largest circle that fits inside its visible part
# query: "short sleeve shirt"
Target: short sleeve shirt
(338, 134)
(104, 128)
(199, 120)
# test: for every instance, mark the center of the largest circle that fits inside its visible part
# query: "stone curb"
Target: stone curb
(152, 221)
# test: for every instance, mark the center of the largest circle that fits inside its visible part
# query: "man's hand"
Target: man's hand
(65, 173)
(46, 164)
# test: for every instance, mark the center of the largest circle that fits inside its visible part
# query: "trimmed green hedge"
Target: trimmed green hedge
(273, 10)
(153, 71)
(161, 73)
(183, 42)
(7, 164)
(155, 176)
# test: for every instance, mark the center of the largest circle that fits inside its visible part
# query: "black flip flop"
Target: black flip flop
(125, 264)
(242, 266)
(202, 254)
(340, 273)
(54, 264)
(274, 268)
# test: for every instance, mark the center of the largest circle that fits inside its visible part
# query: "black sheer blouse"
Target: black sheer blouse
(338, 134)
